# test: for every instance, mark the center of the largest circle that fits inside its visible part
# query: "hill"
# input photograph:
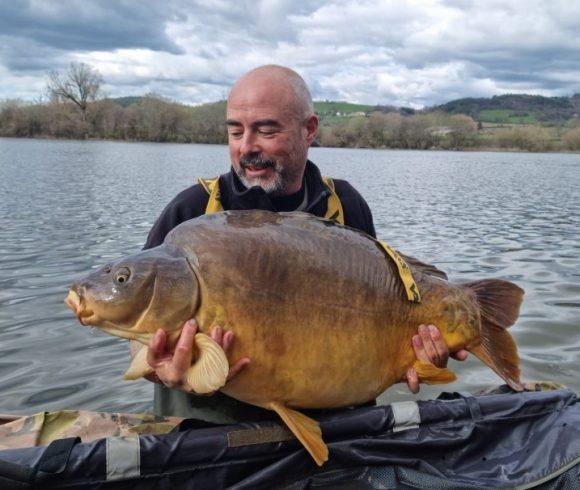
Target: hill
(329, 108)
(516, 108)
(329, 111)
(126, 101)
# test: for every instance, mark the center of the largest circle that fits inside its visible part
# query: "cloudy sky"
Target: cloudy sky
(404, 53)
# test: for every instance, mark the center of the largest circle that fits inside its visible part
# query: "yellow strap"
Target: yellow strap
(404, 273)
(212, 187)
(214, 205)
(333, 207)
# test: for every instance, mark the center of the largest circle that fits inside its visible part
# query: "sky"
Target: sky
(401, 53)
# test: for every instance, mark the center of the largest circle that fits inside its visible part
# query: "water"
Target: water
(67, 207)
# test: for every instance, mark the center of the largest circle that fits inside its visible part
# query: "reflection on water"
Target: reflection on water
(67, 207)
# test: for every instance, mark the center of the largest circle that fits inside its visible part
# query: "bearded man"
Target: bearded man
(271, 125)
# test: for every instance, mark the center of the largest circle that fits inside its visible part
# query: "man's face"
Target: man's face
(268, 139)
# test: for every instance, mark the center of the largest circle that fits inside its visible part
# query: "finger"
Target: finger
(217, 333)
(238, 367)
(430, 350)
(419, 348)
(192, 324)
(228, 341)
(413, 380)
(460, 355)
(184, 349)
(156, 350)
(440, 346)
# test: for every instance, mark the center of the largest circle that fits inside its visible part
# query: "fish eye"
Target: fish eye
(122, 275)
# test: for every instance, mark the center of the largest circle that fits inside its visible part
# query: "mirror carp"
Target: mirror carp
(319, 308)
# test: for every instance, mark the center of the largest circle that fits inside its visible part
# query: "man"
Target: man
(271, 125)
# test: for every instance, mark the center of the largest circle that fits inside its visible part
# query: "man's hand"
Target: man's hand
(171, 367)
(430, 346)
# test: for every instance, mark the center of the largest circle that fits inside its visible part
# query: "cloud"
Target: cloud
(77, 25)
(374, 51)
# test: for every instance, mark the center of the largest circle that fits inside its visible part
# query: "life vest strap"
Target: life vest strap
(212, 187)
(334, 207)
(405, 274)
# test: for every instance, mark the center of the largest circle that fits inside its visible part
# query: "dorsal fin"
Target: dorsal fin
(428, 269)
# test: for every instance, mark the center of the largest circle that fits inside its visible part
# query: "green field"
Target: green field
(343, 107)
(328, 111)
(506, 116)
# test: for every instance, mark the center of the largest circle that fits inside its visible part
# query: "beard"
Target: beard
(274, 186)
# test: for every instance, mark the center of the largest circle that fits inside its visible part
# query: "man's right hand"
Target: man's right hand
(171, 367)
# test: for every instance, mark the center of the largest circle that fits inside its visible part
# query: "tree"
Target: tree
(572, 139)
(79, 85)
(462, 131)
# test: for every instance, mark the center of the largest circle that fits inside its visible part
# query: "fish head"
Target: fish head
(134, 296)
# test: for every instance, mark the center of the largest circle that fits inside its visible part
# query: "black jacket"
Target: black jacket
(191, 203)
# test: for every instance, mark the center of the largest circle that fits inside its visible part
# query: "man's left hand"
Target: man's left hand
(430, 346)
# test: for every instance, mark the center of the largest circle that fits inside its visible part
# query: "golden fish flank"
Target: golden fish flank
(319, 308)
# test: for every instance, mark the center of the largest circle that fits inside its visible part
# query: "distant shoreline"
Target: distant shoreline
(151, 119)
(489, 149)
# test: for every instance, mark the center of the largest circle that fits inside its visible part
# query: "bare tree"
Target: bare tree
(80, 85)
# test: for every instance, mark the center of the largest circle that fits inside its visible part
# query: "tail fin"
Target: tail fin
(499, 304)
(306, 430)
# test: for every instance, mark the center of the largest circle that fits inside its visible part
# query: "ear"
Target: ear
(311, 127)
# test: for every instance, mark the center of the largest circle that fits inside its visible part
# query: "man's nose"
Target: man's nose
(249, 144)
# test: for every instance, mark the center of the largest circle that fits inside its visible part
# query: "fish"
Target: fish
(319, 308)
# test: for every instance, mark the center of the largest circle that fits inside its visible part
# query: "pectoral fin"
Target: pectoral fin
(210, 370)
(139, 366)
(306, 430)
(433, 375)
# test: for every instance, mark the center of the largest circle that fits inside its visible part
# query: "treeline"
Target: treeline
(438, 130)
(155, 119)
(150, 119)
(395, 130)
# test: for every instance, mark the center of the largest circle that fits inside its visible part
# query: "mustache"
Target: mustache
(256, 162)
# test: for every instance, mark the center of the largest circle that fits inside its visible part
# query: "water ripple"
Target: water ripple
(67, 207)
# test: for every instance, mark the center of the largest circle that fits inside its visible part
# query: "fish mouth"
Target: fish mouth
(75, 303)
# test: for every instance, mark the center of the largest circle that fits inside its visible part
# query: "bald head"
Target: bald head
(286, 84)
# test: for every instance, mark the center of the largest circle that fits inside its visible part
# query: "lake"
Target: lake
(68, 206)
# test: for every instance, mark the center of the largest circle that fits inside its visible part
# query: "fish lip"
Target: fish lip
(85, 319)
(76, 304)
(73, 301)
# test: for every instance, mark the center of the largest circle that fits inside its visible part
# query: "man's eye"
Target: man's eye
(235, 134)
(266, 132)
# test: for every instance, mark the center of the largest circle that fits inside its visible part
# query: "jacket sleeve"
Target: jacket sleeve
(187, 205)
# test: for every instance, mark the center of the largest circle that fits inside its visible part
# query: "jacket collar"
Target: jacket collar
(235, 195)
